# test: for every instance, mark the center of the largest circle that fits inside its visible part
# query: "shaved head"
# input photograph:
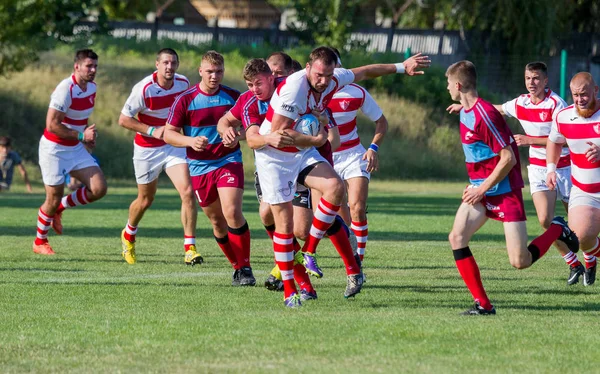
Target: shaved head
(584, 91)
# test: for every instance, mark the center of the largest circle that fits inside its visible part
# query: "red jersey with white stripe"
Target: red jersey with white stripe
(577, 132)
(151, 103)
(345, 105)
(294, 98)
(536, 120)
(77, 105)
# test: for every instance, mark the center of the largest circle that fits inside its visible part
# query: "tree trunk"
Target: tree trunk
(390, 37)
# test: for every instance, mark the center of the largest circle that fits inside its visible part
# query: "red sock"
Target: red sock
(322, 220)
(340, 241)
(240, 243)
(571, 259)
(270, 230)
(544, 241)
(130, 232)
(78, 197)
(188, 241)
(43, 225)
(469, 271)
(361, 230)
(284, 257)
(228, 251)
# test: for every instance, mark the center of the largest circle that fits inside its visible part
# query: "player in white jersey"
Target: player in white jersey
(351, 160)
(62, 151)
(150, 101)
(535, 112)
(279, 169)
(579, 127)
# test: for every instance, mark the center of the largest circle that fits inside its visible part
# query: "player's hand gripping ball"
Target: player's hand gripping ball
(307, 124)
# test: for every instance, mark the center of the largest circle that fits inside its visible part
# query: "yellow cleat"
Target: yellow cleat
(128, 249)
(298, 258)
(192, 257)
(276, 273)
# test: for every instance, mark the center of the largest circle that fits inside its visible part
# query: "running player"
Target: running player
(150, 101)
(579, 127)
(62, 150)
(280, 169)
(216, 171)
(535, 112)
(494, 171)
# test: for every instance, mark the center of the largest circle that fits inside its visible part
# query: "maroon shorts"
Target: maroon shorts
(508, 207)
(205, 186)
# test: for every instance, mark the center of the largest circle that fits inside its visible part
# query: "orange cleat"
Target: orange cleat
(43, 249)
(57, 223)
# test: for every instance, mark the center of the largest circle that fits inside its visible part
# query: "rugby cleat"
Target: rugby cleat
(273, 284)
(589, 276)
(292, 301)
(307, 295)
(57, 223)
(310, 263)
(128, 252)
(235, 279)
(192, 257)
(353, 285)
(246, 277)
(43, 249)
(477, 310)
(353, 242)
(567, 236)
(576, 272)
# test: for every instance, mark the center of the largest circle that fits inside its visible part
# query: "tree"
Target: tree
(30, 26)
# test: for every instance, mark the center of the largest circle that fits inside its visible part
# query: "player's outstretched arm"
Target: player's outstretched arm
(174, 137)
(411, 66)
(133, 124)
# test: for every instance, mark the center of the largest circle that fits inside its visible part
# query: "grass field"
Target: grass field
(85, 310)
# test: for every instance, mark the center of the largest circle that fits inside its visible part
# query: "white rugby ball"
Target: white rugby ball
(307, 124)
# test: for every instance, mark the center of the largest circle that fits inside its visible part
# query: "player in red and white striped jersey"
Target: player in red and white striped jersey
(62, 151)
(535, 112)
(351, 161)
(579, 126)
(150, 101)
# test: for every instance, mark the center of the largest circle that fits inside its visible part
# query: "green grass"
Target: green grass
(85, 310)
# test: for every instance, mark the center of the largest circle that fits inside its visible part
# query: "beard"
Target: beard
(590, 110)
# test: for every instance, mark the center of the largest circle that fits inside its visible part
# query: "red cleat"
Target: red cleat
(57, 223)
(43, 249)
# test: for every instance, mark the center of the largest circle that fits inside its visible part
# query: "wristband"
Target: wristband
(80, 136)
(400, 68)
(550, 168)
(151, 130)
(374, 147)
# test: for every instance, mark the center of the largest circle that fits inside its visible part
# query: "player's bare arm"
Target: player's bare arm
(525, 141)
(227, 127)
(507, 161)
(410, 66)
(333, 135)
(173, 136)
(593, 152)
(25, 177)
(133, 124)
(553, 151)
(302, 140)
(54, 124)
(381, 128)
(276, 139)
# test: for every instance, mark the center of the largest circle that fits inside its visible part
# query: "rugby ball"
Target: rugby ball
(307, 124)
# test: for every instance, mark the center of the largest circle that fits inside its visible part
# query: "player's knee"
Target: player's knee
(335, 189)
(146, 202)
(520, 262)
(545, 222)
(98, 190)
(456, 239)
(301, 232)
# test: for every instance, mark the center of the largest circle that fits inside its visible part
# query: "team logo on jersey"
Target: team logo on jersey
(544, 116)
(288, 108)
(344, 104)
(597, 128)
(468, 135)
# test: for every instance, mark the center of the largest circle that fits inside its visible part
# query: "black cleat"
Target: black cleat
(273, 284)
(589, 276)
(478, 310)
(246, 277)
(353, 285)
(568, 236)
(576, 272)
(235, 279)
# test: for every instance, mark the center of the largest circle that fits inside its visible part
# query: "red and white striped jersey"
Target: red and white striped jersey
(345, 105)
(77, 105)
(536, 120)
(151, 103)
(577, 132)
(294, 98)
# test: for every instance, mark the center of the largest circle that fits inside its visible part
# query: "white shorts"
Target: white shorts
(537, 181)
(349, 164)
(278, 171)
(56, 161)
(149, 162)
(579, 197)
